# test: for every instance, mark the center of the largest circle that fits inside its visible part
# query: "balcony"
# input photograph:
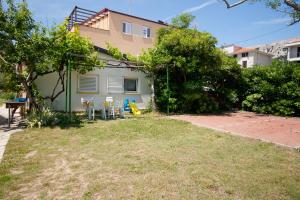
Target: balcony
(294, 53)
(79, 15)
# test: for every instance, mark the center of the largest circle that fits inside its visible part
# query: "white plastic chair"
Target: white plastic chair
(110, 108)
(88, 103)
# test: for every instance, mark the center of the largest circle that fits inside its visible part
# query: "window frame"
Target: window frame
(244, 64)
(79, 91)
(146, 34)
(128, 26)
(244, 55)
(136, 82)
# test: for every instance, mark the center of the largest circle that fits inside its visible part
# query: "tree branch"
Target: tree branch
(234, 4)
(293, 4)
(61, 80)
(3, 60)
(294, 22)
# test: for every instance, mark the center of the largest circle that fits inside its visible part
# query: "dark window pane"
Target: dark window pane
(124, 27)
(148, 32)
(130, 85)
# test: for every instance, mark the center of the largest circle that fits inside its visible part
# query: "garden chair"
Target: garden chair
(109, 108)
(88, 104)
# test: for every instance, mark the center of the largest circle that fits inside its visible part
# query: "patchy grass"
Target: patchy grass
(145, 158)
(1, 102)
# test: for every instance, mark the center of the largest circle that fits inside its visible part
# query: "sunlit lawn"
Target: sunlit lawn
(151, 157)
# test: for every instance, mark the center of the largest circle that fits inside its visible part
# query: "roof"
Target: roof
(244, 50)
(247, 50)
(295, 42)
(106, 10)
(229, 45)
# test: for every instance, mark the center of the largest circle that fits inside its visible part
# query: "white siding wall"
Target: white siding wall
(229, 49)
(263, 60)
(143, 96)
(46, 84)
(250, 59)
(255, 58)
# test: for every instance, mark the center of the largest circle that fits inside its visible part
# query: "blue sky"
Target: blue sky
(248, 24)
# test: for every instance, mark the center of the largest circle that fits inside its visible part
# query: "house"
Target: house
(248, 57)
(132, 35)
(293, 49)
(129, 33)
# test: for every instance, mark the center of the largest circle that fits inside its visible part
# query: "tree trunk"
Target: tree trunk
(29, 94)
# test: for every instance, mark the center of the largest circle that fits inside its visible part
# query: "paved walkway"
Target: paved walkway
(278, 130)
(6, 132)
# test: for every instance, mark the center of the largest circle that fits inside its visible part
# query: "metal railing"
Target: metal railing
(79, 15)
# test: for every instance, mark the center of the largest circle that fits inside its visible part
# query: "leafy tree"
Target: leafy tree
(202, 78)
(274, 89)
(28, 50)
(68, 46)
(183, 21)
(288, 7)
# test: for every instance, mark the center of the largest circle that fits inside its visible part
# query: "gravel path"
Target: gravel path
(6, 132)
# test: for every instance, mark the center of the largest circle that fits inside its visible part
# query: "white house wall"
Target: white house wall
(255, 58)
(250, 59)
(263, 60)
(46, 84)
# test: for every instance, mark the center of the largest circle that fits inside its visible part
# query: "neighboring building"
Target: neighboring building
(284, 50)
(230, 49)
(248, 57)
(293, 49)
(276, 48)
(131, 35)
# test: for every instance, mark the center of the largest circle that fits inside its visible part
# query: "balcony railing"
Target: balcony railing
(79, 15)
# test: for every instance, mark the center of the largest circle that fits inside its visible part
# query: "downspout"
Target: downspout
(153, 93)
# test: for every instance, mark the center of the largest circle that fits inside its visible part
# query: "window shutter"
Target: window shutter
(88, 83)
(115, 84)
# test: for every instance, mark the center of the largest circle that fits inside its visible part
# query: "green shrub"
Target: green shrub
(40, 118)
(47, 117)
(273, 89)
(7, 95)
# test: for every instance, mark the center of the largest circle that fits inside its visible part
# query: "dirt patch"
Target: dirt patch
(279, 130)
(30, 154)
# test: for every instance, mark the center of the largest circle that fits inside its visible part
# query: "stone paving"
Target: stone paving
(6, 132)
(283, 131)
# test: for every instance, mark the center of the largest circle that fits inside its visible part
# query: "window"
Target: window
(298, 52)
(146, 32)
(127, 28)
(130, 85)
(245, 54)
(88, 84)
(245, 64)
(115, 84)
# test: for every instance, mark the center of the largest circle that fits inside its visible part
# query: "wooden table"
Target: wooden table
(13, 105)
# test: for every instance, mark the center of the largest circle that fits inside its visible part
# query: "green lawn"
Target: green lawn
(145, 158)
